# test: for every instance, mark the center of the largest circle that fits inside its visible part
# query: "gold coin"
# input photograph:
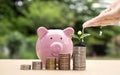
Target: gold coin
(36, 65)
(25, 67)
(50, 63)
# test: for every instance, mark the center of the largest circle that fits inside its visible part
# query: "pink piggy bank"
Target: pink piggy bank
(51, 43)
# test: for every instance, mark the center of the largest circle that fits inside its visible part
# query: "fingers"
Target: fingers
(105, 11)
(109, 16)
(105, 18)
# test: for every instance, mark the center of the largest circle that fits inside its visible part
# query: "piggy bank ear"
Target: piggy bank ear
(41, 31)
(68, 31)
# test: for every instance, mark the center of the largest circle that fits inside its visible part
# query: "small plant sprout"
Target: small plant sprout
(79, 36)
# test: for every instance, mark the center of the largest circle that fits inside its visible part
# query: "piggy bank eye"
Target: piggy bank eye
(61, 38)
(51, 38)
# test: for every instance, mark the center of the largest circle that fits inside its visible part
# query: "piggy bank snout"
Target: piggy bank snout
(56, 47)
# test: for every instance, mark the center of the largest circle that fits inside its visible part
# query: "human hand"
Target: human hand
(109, 16)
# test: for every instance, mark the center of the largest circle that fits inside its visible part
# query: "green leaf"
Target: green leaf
(84, 35)
(74, 36)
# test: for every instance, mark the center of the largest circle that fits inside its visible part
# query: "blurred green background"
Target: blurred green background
(19, 20)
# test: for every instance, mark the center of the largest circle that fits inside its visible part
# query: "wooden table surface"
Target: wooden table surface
(93, 67)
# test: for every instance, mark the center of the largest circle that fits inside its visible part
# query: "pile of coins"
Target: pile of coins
(79, 61)
(36, 65)
(25, 67)
(64, 62)
(50, 63)
(79, 58)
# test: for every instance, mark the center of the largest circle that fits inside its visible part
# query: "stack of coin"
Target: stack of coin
(50, 63)
(36, 65)
(79, 58)
(64, 62)
(25, 67)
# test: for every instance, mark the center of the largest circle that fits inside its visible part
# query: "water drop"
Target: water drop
(100, 33)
